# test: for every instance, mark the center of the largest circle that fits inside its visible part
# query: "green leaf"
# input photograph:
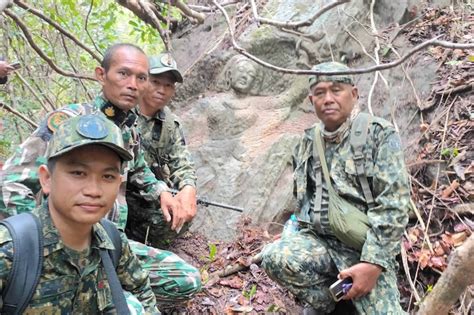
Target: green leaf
(470, 58)
(133, 23)
(454, 62)
(212, 251)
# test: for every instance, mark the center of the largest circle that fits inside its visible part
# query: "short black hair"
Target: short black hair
(110, 52)
(51, 164)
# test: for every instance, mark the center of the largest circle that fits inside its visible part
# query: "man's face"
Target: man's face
(126, 78)
(158, 93)
(333, 102)
(83, 185)
(243, 76)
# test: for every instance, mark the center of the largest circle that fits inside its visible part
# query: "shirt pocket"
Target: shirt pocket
(52, 295)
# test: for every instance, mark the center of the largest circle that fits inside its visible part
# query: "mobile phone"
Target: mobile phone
(340, 288)
(15, 65)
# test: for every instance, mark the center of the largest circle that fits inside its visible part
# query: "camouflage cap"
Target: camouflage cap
(164, 63)
(83, 130)
(330, 66)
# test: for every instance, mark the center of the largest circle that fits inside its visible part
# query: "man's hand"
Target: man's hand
(172, 211)
(364, 277)
(187, 198)
(5, 69)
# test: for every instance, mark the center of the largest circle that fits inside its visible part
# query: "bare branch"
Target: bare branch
(383, 66)
(201, 8)
(86, 28)
(18, 114)
(58, 27)
(38, 50)
(30, 88)
(294, 25)
(190, 12)
(155, 23)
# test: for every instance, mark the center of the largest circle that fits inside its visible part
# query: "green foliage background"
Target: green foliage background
(95, 23)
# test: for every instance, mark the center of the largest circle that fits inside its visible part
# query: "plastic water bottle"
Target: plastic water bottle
(290, 227)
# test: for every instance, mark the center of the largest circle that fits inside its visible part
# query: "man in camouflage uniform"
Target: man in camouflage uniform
(123, 75)
(166, 153)
(82, 179)
(310, 260)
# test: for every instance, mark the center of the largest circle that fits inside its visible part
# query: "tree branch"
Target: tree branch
(38, 50)
(294, 25)
(155, 23)
(452, 282)
(58, 27)
(18, 114)
(383, 66)
(86, 28)
(190, 12)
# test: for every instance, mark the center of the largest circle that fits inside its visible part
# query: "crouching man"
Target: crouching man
(81, 180)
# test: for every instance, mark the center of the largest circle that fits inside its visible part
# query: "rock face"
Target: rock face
(242, 121)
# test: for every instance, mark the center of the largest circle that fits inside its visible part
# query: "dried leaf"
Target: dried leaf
(235, 282)
(438, 262)
(459, 238)
(449, 190)
(424, 259)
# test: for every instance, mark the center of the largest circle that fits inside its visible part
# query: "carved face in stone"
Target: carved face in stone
(242, 76)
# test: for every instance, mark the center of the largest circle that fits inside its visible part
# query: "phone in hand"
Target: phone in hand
(15, 65)
(340, 288)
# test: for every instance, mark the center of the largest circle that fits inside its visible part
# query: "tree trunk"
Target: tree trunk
(452, 282)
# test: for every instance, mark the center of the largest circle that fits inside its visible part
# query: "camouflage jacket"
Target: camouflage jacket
(388, 178)
(165, 149)
(75, 283)
(19, 184)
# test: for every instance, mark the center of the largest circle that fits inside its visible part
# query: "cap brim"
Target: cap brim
(176, 73)
(124, 154)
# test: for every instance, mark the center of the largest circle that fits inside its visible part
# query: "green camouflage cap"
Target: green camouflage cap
(83, 130)
(164, 63)
(330, 66)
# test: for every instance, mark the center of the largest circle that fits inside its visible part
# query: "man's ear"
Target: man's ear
(100, 74)
(45, 179)
(355, 93)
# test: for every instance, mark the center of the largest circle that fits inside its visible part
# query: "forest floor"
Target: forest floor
(442, 193)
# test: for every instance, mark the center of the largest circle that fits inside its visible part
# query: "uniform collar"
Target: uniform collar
(159, 115)
(112, 112)
(52, 240)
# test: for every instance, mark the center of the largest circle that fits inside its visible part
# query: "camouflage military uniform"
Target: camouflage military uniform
(308, 261)
(75, 282)
(19, 187)
(169, 159)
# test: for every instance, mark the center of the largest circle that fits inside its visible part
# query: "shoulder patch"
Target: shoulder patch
(55, 120)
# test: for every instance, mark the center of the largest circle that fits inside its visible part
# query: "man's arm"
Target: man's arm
(134, 279)
(387, 219)
(154, 190)
(6, 259)
(182, 173)
(19, 181)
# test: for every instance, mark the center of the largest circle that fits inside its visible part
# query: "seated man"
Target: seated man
(375, 184)
(166, 153)
(81, 179)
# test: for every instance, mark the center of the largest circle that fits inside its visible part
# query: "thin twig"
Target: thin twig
(294, 25)
(58, 27)
(86, 28)
(384, 66)
(38, 50)
(30, 88)
(407, 270)
(18, 114)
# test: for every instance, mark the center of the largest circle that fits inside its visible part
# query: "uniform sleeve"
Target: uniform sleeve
(142, 178)
(181, 165)
(391, 192)
(134, 279)
(6, 259)
(19, 181)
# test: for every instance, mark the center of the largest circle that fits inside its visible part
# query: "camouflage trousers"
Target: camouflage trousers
(306, 264)
(172, 279)
(301, 264)
(148, 225)
(134, 305)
